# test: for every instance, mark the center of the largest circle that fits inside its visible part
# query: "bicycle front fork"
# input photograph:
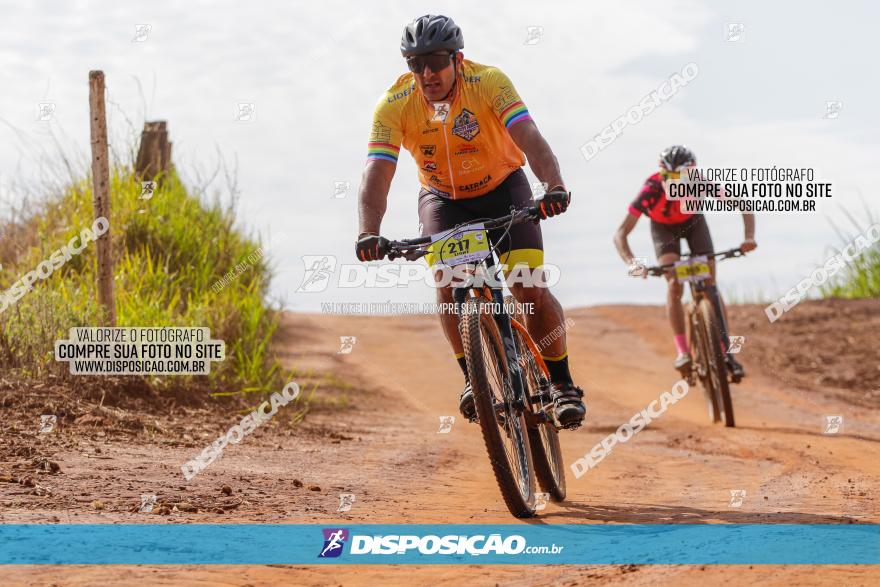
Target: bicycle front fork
(712, 292)
(502, 320)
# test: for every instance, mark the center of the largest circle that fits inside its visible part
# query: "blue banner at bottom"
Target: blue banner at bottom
(527, 544)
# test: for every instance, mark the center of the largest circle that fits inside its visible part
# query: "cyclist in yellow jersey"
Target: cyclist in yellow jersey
(470, 134)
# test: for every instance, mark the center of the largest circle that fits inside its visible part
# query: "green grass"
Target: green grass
(168, 252)
(861, 278)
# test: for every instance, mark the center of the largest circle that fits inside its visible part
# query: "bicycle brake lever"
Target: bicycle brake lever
(415, 255)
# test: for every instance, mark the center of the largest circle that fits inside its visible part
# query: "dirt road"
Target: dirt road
(384, 447)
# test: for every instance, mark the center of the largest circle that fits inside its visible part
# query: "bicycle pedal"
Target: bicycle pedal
(573, 426)
(559, 426)
(733, 377)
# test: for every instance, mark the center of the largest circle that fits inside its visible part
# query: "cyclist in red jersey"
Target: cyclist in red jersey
(669, 224)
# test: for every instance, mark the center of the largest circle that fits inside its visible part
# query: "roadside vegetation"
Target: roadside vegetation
(861, 278)
(170, 253)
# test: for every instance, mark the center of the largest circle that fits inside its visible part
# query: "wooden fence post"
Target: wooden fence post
(154, 153)
(101, 190)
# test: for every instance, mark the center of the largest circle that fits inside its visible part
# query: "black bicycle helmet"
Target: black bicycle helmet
(429, 34)
(676, 157)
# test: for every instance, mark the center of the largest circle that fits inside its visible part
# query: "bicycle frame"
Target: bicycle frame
(699, 289)
(411, 250)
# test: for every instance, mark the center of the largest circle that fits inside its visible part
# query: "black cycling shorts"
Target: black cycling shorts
(667, 237)
(522, 245)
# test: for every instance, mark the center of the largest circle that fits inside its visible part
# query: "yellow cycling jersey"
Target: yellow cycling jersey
(462, 146)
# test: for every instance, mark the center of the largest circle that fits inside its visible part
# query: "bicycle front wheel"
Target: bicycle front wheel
(700, 352)
(501, 420)
(717, 362)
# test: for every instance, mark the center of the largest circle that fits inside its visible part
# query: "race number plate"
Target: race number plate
(694, 269)
(469, 244)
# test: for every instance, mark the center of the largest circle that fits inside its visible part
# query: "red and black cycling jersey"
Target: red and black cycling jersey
(653, 203)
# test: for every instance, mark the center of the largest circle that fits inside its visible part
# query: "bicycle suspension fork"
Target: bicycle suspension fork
(505, 328)
(712, 292)
(502, 319)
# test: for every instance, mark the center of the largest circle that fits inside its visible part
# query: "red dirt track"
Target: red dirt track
(384, 447)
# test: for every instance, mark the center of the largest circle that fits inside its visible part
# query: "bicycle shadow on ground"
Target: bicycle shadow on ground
(663, 514)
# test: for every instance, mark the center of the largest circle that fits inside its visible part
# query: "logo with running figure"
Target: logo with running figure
(833, 424)
(318, 270)
(441, 111)
(334, 541)
(465, 125)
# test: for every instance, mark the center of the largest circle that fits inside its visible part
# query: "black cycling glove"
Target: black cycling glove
(371, 247)
(553, 202)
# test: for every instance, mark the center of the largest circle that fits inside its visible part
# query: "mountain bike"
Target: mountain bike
(707, 339)
(509, 379)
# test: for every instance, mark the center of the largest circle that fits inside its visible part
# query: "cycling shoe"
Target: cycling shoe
(466, 404)
(568, 408)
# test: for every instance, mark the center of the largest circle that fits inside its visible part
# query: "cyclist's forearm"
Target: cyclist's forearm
(622, 245)
(373, 196)
(541, 159)
(621, 242)
(749, 226)
(544, 164)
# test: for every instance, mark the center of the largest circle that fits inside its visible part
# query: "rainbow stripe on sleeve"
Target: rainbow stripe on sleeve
(516, 112)
(385, 151)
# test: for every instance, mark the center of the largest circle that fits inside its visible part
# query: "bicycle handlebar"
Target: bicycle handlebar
(411, 249)
(659, 270)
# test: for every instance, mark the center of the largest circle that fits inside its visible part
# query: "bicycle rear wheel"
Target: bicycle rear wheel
(700, 353)
(543, 436)
(501, 421)
(717, 362)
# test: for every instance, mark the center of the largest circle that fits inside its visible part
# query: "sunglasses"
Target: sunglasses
(671, 174)
(433, 61)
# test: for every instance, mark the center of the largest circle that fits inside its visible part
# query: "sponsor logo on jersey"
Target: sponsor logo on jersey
(467, 150)
(475, 186)
(465, 125)
(503, 99)
(435, 179)
(380, 133)
(428, 150)
(403, 94)
(471, 165)
(437, 192)
(430, 166)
